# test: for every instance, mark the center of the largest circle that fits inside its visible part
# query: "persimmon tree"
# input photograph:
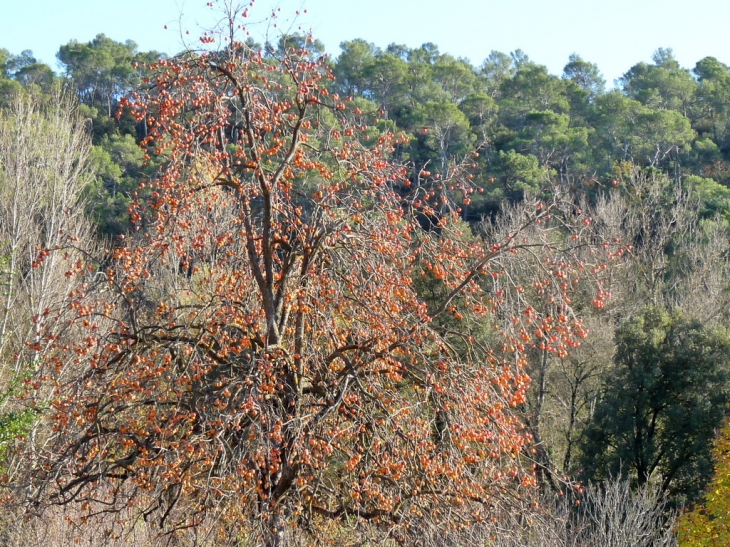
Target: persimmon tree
(259, 350)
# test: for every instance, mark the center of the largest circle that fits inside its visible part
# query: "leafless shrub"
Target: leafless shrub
(609, 514)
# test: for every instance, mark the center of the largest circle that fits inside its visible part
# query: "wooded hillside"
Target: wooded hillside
(256, 294)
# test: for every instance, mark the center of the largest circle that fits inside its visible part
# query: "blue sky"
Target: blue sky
(614, 34)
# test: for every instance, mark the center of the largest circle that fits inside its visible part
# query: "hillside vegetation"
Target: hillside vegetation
(257, 294)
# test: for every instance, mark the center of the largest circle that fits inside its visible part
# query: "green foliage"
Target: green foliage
(385, 77)
(481, 111)
(455, 77)
(445, 132)
(585, 75)
(352, 63)
(18, 421)
(8, 90)
(659, 135)
(552, 139)
(119, 164)
(708, 523)
(101, 69)
(532, 88)
(626, 130)
(663, 85)
(662, 404)
(519, 173)
(714, 198)
(23, 71)
(662, 116)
